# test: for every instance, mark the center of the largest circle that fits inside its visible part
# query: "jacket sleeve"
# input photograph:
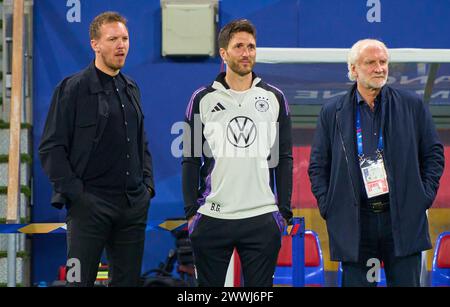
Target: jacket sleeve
(431, 154)
(192, 157)
(320, 162)
(148, 167)
(283, 171)
(55, 144)
(148, 161)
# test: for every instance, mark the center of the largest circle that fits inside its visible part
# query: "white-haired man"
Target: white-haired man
(375, 167)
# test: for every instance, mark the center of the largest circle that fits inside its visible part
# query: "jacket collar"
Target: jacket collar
(220, 82)
(349, 99)
(95, 86)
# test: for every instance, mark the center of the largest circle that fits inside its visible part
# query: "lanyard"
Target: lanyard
(359, 136)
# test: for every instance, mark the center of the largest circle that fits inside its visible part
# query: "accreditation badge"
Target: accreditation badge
(374, 176)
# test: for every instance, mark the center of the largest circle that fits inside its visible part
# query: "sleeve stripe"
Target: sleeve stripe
(286, 105)
(191, 102)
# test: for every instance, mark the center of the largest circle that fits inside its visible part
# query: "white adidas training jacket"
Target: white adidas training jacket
(233, 151)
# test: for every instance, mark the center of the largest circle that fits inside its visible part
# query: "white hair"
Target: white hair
(355, 52)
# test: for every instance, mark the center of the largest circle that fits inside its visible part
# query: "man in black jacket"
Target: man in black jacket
(375, 167)
(94, 150)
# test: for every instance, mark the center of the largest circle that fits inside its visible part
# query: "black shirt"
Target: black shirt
(370, 126)
(114, 170)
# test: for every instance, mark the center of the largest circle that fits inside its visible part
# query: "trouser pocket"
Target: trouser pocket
(278, 220)
(194, 223)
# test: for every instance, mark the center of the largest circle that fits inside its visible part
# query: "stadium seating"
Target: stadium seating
(440, 274)
(314, 267)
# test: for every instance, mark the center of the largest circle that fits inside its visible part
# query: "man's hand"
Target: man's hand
(190, 221)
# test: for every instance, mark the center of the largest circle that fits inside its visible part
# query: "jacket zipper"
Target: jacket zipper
(346, 159)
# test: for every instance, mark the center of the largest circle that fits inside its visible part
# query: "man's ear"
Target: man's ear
(94, 45)
(353, 70)
(223, 55)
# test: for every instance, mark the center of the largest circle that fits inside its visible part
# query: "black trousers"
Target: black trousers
(377, 242)
(256, 239)
(92, 225)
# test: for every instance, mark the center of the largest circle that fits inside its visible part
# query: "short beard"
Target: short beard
(112, 66)
(372, 86)
(235, 68)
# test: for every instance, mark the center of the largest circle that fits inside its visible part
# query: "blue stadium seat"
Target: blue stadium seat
(440, 274)
(314, 267)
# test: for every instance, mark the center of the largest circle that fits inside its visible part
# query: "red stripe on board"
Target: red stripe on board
(294, 230)
(302, 196)
(443, 196)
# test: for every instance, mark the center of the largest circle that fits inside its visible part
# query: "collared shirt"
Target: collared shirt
(114, 169)
(370, 126)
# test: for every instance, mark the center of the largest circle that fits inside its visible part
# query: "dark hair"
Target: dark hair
(239, 25)
(104, 18)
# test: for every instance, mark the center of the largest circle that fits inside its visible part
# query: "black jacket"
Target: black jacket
(414, 161)
(75, 123)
